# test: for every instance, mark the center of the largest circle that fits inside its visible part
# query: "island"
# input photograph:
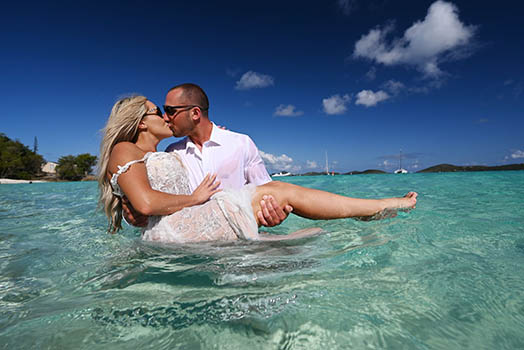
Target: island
(446, 168)
(365, 172)
(441, 168)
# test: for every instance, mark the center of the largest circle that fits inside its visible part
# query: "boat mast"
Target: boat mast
(327, 168)
(400, 160)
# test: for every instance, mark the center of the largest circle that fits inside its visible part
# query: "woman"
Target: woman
(156, 184)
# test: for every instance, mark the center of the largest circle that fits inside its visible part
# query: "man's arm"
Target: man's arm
(271, 213)
(255, 171)
(132, 216)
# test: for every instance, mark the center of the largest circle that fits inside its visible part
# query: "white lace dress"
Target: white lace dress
(228, 215)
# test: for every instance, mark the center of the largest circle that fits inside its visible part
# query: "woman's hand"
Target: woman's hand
(206, 189)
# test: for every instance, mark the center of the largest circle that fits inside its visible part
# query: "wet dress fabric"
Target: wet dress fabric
(228, 215)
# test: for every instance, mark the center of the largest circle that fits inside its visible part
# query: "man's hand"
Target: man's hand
(131, 215)
(271, 214)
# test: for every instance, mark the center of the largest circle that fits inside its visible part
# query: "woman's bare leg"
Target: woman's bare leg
(316, 204)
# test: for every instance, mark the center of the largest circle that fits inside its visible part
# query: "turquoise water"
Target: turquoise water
(448, 275)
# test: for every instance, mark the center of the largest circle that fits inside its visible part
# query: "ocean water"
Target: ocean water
(447, 275)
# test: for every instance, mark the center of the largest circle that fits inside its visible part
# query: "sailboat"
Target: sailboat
(327, 167)
(400, 170)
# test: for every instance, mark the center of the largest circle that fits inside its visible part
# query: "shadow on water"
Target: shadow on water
(212, 283)
(205, 283)
(238, 309)
(203, 264)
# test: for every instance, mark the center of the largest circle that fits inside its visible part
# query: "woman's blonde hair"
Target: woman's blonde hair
(121, 126)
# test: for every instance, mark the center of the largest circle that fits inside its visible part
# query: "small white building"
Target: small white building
(49, 168)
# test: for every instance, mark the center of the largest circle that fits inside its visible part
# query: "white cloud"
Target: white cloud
(251, 80)
(369, 98)
(517, 154)
(372, 73)
(311, 164)
(346, 6)
(517, 90)
(421, 89)
(336, 104)
(287, 111)
(393, 86)
(386, 164)
(440, 36)
(233, 72)
(272, 159)
(279, 163)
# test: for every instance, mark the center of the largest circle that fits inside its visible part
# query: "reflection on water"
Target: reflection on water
(446, 275)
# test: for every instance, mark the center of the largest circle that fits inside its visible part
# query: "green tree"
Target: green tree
(17, 161)
(85, 163)
(74, 168)
(67, 169)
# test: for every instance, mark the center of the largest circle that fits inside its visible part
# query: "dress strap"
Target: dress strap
(122, 169)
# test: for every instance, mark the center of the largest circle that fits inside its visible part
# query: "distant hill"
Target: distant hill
(442, 168)
(315, 173)
(369, 171)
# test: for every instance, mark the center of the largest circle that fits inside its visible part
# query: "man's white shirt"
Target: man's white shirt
(232, 156)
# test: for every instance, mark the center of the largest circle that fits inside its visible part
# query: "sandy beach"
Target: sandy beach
(11, 181)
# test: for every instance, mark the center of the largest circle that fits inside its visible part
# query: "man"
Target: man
(207, 149)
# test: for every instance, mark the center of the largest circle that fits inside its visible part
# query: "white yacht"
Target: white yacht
(400, 170)
(282, 173)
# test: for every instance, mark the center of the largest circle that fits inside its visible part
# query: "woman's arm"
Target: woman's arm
(147, 201)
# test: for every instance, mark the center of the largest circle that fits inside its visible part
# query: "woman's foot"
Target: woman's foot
(409, 201)
(392, 205)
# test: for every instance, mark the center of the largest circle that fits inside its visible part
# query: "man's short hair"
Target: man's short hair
(195, 94)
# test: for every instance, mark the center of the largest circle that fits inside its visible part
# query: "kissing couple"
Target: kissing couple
(210, 186)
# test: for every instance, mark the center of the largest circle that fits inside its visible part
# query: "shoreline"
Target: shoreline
(12, 181)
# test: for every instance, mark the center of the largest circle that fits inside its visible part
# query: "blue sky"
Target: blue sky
(360, 80)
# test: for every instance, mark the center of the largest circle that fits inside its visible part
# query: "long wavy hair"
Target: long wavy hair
(121, 126)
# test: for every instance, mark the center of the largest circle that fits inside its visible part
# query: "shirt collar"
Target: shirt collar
(217, 138)
(190, 146)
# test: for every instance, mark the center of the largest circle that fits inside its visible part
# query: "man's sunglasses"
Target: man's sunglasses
(172, 110)
(154, 111)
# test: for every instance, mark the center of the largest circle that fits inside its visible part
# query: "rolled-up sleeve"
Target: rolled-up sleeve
(255, 171)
